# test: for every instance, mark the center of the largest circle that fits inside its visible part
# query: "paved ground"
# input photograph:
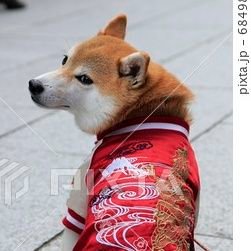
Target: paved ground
(180, 34)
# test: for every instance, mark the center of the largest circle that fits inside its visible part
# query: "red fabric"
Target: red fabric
(71, 226)
(139, 120)
(75, 223)
(125, 203)
(76, 216)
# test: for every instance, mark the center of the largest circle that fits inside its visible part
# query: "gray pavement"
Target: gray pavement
(189, 37)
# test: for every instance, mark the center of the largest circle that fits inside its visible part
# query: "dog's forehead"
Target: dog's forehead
(94, 60)
(101, 47)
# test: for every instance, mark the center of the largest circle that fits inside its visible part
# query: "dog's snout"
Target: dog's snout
(35, 86)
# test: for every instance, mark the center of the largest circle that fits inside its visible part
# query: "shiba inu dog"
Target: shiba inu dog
(142, 184)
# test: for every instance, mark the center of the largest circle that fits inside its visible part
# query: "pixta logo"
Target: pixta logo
(14, 181)
(57, 176)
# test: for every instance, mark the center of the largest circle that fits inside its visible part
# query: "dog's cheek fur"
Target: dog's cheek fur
(93, 111)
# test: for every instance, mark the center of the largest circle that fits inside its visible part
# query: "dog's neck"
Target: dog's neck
(163, 95)
(166, 96)
(162, 107)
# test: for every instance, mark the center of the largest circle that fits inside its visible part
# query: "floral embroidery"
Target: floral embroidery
(140, 244)
(175, 212)
(131, 148)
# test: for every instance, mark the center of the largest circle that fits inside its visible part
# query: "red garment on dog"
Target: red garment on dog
(142, 189)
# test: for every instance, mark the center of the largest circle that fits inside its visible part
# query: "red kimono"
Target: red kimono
(143, 182)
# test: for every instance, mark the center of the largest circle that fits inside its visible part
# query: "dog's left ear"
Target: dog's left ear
(116, 27)
(134, 68)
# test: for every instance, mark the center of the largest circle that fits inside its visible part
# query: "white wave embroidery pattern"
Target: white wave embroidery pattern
(113, 220)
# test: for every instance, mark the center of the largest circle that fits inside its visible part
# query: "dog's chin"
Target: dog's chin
(42, 105)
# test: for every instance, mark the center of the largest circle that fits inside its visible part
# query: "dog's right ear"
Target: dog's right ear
(116, 27)
(134, 68)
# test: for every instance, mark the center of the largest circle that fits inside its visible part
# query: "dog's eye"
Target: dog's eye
(64, 59)
(84, 79)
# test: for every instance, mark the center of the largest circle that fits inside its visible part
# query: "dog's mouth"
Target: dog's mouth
(38, 102)
(35, 100)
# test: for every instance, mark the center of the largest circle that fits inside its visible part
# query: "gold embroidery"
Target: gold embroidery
(175, 210)
(149, 169)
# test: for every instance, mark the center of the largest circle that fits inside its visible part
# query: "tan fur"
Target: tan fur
(107, 58)
(116, 27)
(103, 53)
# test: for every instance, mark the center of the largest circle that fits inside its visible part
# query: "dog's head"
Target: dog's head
(98, 80)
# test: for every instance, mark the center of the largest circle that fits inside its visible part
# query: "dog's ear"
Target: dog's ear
(116, 27)
(134, 67)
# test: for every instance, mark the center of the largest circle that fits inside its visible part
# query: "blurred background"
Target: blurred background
(191, 38)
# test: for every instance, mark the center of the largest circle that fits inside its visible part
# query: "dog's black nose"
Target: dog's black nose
(35, 86)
